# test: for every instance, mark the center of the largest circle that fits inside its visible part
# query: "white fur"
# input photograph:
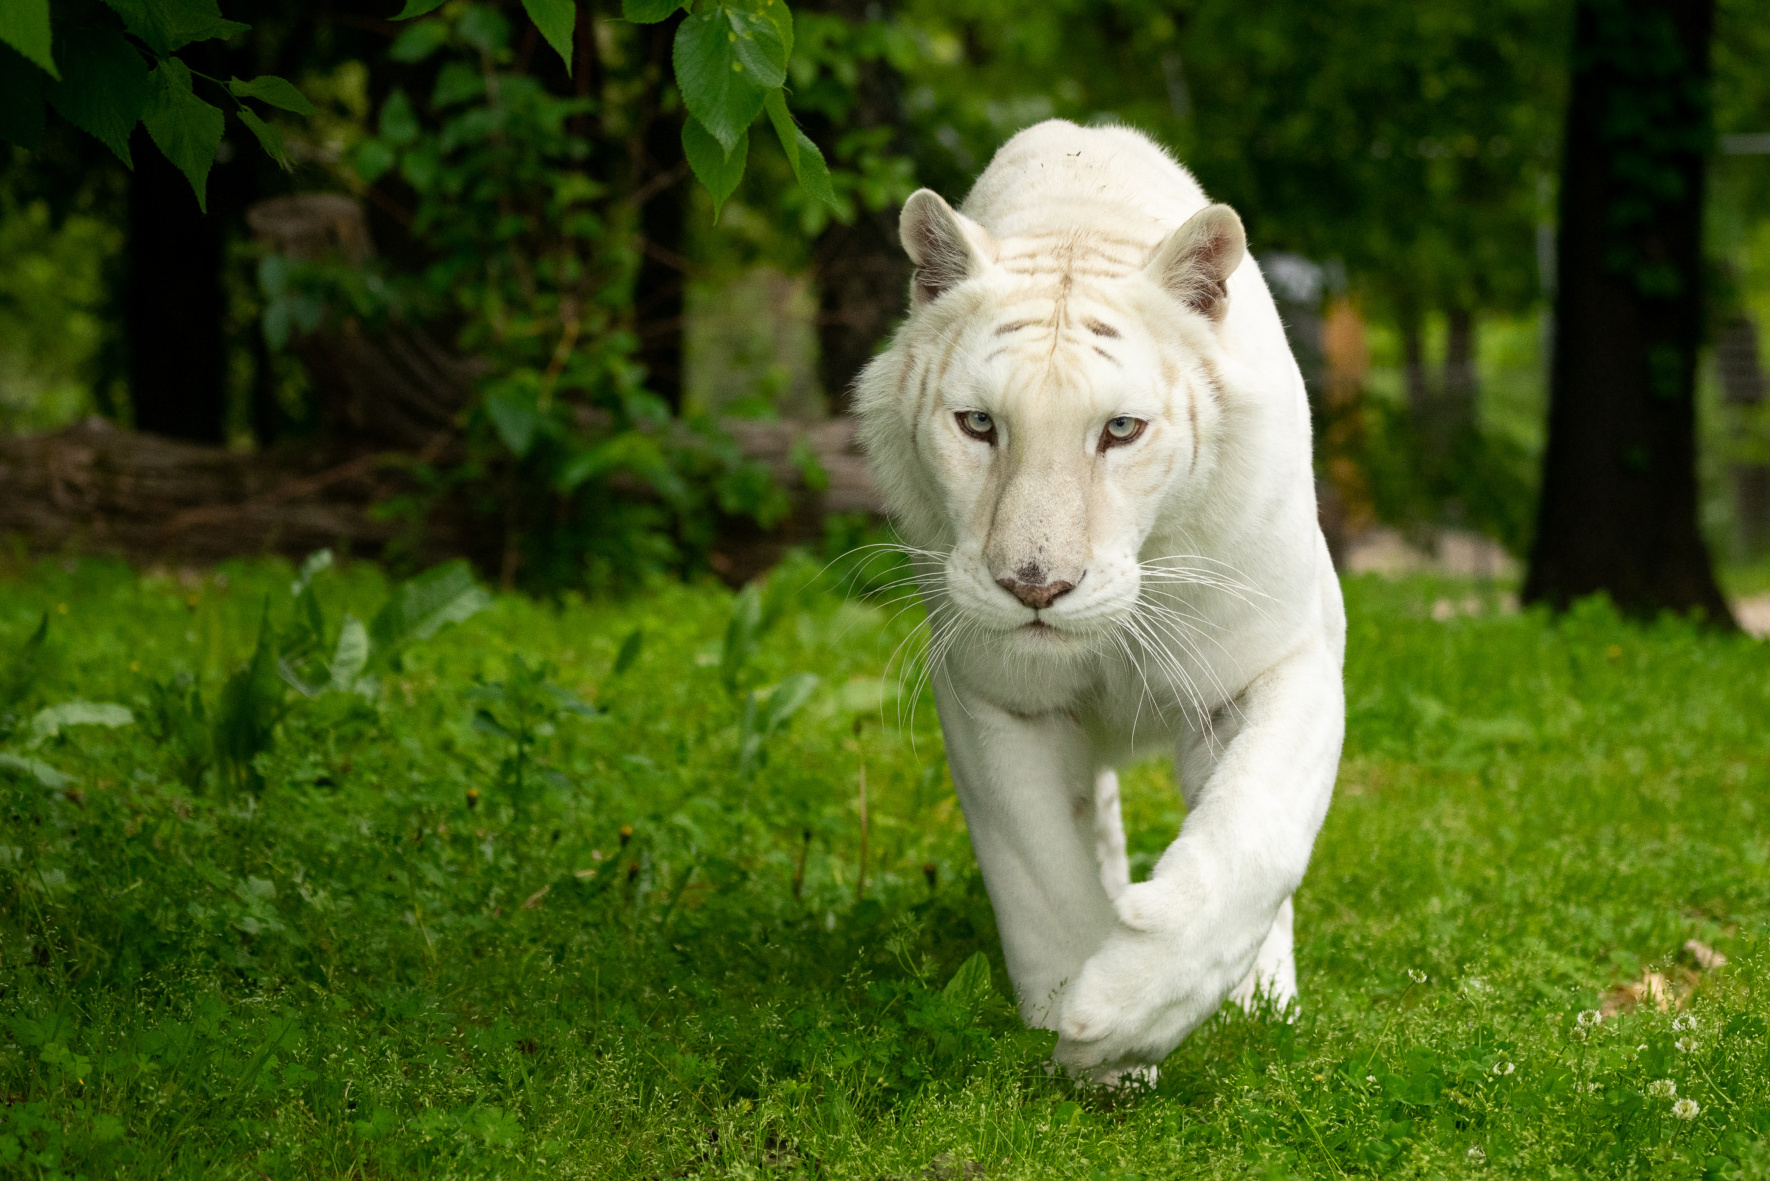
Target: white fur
(1205, 617)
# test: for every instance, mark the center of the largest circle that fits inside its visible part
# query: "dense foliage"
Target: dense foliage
(573, 890)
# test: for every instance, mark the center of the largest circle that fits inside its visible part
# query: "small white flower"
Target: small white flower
(1685, 1109)
(1476, 1154)
(1416, 976)
(1641, 1048)
(1684, 1021)
(1503, 1068)
(1662, 1088)
(1590, 1017)
(1593, 1088)
(1685, 1044)
(1477, 984)
(1371, 1079)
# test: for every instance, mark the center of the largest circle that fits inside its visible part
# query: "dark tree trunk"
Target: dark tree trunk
(1413, 362)
(1619, 501)
(862, 273)
(1460, 387)
(174, 305)
(661, 173)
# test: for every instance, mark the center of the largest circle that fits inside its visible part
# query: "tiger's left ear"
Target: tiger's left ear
(1195, 262)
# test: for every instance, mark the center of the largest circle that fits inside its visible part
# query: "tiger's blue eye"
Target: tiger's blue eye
(1122, 427)
(977, 424)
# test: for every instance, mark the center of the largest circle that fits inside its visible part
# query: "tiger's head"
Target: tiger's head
(1051, 403)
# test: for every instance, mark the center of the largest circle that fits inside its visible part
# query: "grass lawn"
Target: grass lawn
(532, 896)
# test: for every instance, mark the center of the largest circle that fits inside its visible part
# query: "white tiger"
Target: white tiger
(1093, 432)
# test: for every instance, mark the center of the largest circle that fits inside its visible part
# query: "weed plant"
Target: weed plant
(574, 890)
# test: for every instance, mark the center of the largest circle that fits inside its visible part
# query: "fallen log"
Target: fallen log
(96, 489)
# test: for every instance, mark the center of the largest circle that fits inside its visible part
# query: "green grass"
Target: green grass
(363, 969)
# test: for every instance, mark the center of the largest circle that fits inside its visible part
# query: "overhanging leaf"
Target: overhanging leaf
(167, 25)
(806, 160)
(416, 8)
(758, 46)
(716, 87)
(185, 127)
(105, 87)
(650, 12)
(278, 92)
(24, 25)
(718, 170)
(269, 138)
(555, 19)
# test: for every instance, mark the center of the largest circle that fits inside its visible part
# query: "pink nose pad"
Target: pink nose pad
(1038, 596)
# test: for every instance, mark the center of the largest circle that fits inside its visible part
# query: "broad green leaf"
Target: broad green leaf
(43, 773)
(168, 25)
(555, 19)
(716, 86)
(250, 707)
(21, 101)
(370, 160)
(484, 28)
(759, 47)
(741, 635)
(971, 984)
(399, 120)
(24, 25)
(516, 416)
(269, 138)
(782, 17)
(416, 8)
(806, 160)
(316, 564)
(352, 654)
(185, 127)
(277, 92)
(786, 700)
(650, 12)
(105, 87)
(629, 650)
(49, 722)
(418, 609)
(713, 167)
(419, 41)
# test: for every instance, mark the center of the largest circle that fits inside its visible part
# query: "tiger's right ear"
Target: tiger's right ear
(947, 247)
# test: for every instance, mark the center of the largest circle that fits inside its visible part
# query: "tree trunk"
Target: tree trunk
(174, 305)
(1460, 387)
(1413, 362)
(1619, 503)
(862, 273)
(660, 169)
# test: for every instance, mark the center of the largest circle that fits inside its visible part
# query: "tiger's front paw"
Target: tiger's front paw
(1166, 968)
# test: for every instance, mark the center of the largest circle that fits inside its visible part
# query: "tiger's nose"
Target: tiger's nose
(1038, 596)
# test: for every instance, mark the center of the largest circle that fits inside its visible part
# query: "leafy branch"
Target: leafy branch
(107, 69)
(730, 62)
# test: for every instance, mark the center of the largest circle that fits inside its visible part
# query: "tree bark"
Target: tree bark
(174, 305)
(861, 271)
(663, 219)
(1619, 503)
(1460, 387)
